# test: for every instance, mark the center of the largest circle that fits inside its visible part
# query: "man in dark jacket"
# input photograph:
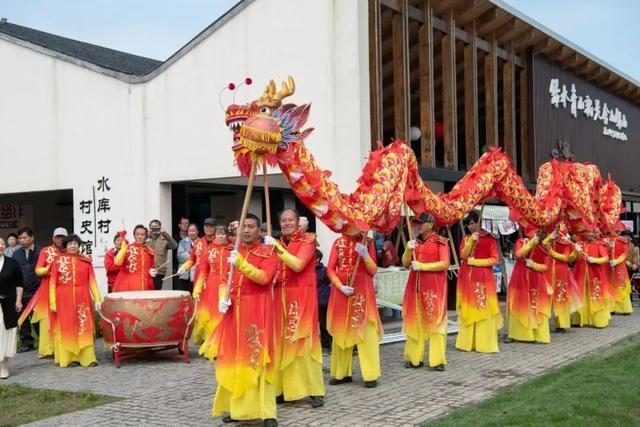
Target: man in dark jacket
(324, 290)
(27, 256)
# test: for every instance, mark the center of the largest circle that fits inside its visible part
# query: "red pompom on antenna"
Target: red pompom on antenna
(231, 86)
(248, 80)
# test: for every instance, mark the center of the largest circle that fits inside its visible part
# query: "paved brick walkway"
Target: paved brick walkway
(162, 392)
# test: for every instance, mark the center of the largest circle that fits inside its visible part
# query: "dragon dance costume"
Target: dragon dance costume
(211, 282)
(619, 276)
(73, 291)
(529, 294)
(592, 275)
(424, 309)
(479, 316)
(136, 260)
(567, 295)
(353, 320)
(297, 334)
(243, 344)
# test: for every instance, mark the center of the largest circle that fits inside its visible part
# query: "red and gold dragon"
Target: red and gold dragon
(566, 191)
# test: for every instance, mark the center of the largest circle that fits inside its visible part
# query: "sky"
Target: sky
(610, 30)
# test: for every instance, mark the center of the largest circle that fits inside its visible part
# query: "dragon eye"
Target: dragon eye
(265, 110)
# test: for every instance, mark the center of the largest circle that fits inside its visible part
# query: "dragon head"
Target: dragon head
(265, 125)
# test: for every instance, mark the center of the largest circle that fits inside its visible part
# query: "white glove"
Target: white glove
(180, 271)
(415, 266)
(554, 235)
(529, 263)
(611, 243)
(347, 290)
(97, 306)
(591, 260)
(153, 272)
(411, 244)
(269, 241)
(475, 236)
(578, 247)
(233, 256)
(362, 250)
(535, 239)
(567, 237)
(223, 305)
(612, 263)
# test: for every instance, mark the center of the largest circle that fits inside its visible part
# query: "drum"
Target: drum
(147, 319)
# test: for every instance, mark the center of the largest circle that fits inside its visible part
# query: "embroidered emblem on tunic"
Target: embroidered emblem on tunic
(429, 298)
(255, 347)
(533, 294)
(64, 270)
(83, 318)
(51, 255)
(132, 259)
(293, 318)
(561, 291)
(596, 289)
(621, 280)
(481, 295)
(357, 310)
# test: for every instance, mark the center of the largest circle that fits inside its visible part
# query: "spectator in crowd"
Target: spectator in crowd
(12, 244)
(263, 231)
(184, 253)
(11, 287)
(109, 260)
(324, 290)
(160, 242)
(633, 259)
(183, 227)
(27, 257)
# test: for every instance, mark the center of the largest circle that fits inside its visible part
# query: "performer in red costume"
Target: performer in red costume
(137, 264)
(479, 316)
(244, 339)
(352, 314)
(297, 333)
(424, 309)
(73, 291)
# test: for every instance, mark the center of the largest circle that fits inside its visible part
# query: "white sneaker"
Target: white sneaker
(4, 372)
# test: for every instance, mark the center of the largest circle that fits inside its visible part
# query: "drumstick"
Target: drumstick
(164, 264)
(169, 277)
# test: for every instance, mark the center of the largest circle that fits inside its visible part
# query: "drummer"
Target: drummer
(244, 366)
(137, 259)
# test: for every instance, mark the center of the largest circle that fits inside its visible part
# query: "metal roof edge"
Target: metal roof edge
(510, 9)
(131, 78)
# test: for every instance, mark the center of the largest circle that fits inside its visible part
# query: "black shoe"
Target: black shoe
(561, 330)
(410, 365)
(227, 419)
(626, 314)
(371, 384)
(25, 348)
(507, 340)
(270, 422)
(73, 364)
(317, 401)
(440, 367)
(280, 399)
(335, 381)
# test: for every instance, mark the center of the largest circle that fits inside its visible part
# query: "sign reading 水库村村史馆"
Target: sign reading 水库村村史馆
(591, 108)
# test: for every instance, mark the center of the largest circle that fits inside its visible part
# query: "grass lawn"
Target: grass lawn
(20, 405)
(601, 389)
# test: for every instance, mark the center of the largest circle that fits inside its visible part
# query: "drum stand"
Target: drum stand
(123, 352)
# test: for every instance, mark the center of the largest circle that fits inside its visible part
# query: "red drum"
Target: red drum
(139, 322)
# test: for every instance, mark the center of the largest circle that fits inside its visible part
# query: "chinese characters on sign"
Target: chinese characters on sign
(591, 109)
(95, 212)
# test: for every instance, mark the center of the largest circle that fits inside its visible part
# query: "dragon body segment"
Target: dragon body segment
(566, 191)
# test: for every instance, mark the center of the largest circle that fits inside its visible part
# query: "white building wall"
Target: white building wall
(72, 125)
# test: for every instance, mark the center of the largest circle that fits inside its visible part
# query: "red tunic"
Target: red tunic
(347, 317)
(425, 296)
(618, 275)
(296, 302)
(72, 282)
(567, 295)
(111, 268)
(476, 294)
(244, 340)
(594, 278)
(199, 255)
(47, 256)
(134, 275)
(215, 268)
(529, 294)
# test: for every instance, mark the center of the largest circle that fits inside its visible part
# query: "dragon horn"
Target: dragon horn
(269, 90)
(287, 89)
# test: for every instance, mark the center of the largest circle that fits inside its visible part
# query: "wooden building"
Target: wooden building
(457, 76)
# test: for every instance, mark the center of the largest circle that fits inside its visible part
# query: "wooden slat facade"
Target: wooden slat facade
(459, 71)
